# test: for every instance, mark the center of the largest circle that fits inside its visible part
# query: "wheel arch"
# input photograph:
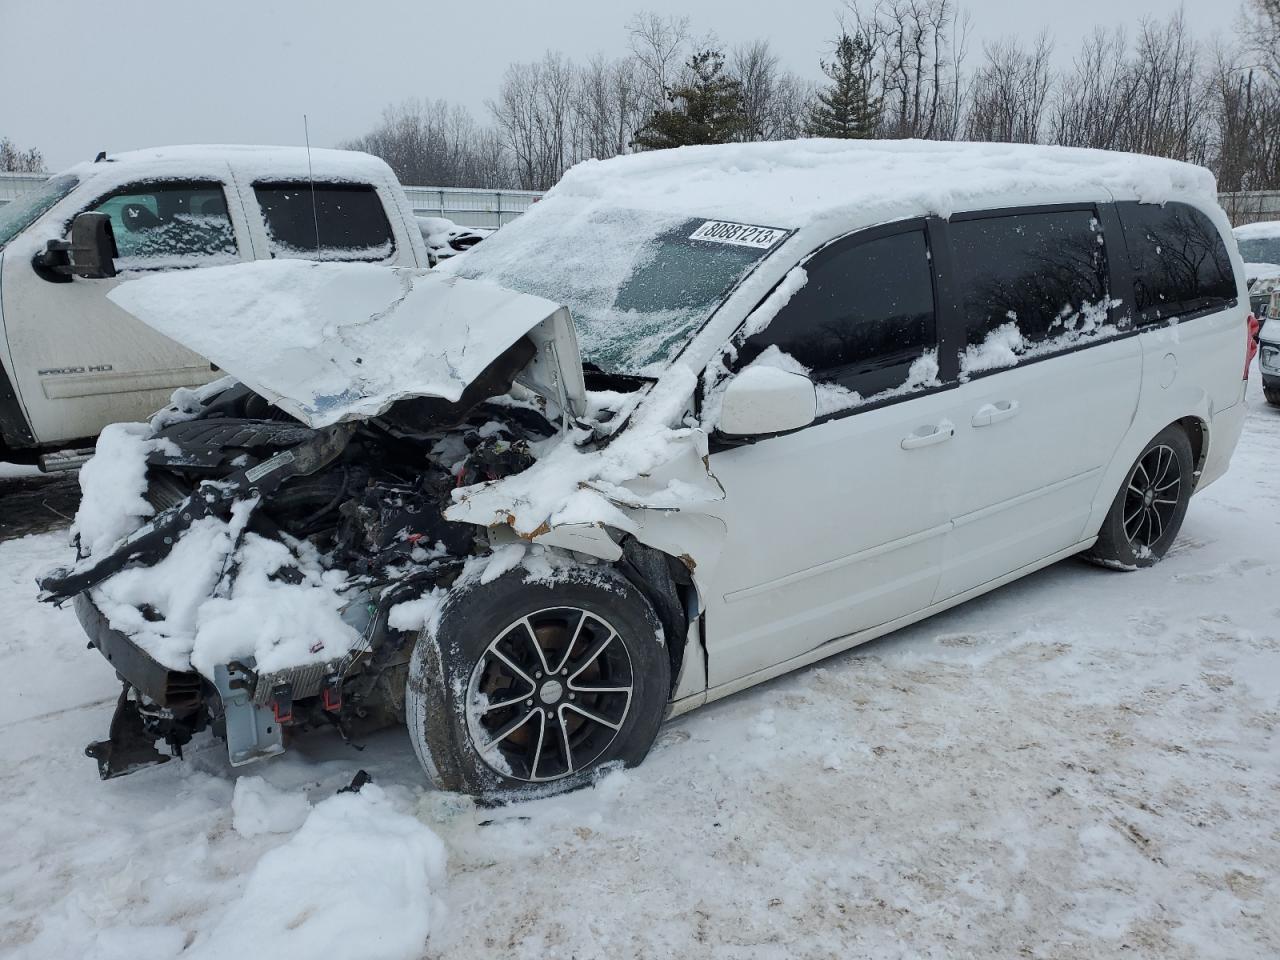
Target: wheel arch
(1197, 431)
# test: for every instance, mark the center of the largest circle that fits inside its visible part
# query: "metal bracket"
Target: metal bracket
(252, 732)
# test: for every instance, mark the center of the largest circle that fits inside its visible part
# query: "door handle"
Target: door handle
(990, 413)
(927, 436)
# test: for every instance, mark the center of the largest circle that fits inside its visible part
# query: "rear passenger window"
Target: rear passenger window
(1029, 284)
(1180, 264)
(861, 326)
(332, 222)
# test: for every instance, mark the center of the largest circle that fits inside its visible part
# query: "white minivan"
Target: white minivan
(72, 361)
(700, 417)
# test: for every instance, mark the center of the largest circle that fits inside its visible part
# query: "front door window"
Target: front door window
(166, 225)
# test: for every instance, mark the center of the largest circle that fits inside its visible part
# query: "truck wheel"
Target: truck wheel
(1147, 513)
(1273, 395)
(525, 688)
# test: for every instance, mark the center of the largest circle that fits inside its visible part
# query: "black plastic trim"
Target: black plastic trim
(135, 665)
(14, 428)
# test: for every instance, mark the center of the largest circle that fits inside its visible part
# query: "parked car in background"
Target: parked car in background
(445, 239)
(1260, 248)
(701, 417)
(75, 361)
(1269, 362)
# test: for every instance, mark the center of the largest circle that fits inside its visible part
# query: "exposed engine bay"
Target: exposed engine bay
(362, 499)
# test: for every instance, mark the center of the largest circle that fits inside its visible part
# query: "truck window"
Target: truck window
(1180, 264)
(162, 225)
(333, 221)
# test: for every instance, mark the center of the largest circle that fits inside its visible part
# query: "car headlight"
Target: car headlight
(1269, 359)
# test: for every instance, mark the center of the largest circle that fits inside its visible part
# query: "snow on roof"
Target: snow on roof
(1253, 231)
(252, 159)
(793, 183)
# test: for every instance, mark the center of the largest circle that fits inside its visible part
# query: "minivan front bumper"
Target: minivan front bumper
(176, 691)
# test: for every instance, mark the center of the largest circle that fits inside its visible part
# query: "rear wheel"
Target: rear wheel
(1147, 513)
(525, 688)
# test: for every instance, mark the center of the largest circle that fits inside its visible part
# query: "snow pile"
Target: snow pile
(258, 808)
(336, 341)
(112, 487)
(181, 611)
(570, 485)
(792, 183)
(439, 232)
(1000, 348)
(358, 879)
(1006, 345)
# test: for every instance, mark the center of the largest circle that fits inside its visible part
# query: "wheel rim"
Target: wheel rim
(549, 695)
(1151, 497)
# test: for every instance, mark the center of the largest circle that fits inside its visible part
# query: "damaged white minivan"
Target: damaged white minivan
(701, 417)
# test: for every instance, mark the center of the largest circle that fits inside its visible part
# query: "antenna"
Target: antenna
(315, 217)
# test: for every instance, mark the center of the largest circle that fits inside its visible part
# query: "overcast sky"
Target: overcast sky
(79, 77)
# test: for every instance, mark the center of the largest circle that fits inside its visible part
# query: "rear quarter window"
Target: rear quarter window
(332, 221)
(1180, 264)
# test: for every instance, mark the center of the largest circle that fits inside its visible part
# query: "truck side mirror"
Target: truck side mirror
(90, 253)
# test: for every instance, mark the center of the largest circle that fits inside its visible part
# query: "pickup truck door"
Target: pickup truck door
(79, 361)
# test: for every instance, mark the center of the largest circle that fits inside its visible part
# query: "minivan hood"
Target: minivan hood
(330, 342)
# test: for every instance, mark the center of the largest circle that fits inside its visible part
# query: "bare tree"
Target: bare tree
(773, 99)
(659, 46)
(1010, 91)
(920, 51)
(16, 160)
(1259, 30)
(1089, 110)
(436, 143)
(1154, 98)
(608, 104)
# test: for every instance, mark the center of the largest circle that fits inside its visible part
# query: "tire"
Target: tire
(595, 632)
(1147, 513)
(1273, 395)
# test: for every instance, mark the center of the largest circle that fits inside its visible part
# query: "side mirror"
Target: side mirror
(91, 252)
(767, 400)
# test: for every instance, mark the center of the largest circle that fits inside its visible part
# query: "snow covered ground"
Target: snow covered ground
(1082, 764)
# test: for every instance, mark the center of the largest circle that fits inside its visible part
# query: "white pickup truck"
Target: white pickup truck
(71, 361)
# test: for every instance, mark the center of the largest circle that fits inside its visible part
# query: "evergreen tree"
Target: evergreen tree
(706, 107)
(845, 108)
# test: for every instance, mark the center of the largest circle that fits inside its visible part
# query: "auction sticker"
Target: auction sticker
(738, 234)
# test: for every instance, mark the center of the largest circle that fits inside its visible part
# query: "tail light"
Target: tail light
(1252, 326)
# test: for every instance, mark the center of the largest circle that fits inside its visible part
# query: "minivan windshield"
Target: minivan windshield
(17, 215)
(639, 284)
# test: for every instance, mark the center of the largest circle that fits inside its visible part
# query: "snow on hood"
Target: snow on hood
(328, 342)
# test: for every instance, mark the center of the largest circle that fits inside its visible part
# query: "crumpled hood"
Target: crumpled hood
(329, 342)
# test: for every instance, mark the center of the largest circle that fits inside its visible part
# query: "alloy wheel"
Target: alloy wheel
(550, 694)
(1151, 497)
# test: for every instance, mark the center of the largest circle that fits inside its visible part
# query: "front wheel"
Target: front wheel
(523, 688)
(1272, 394)
(1147, 513)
